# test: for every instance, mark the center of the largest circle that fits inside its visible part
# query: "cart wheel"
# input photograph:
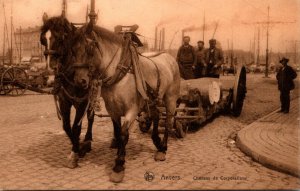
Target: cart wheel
(239, 91)
(181, 129)
(14, 81)
(144, 122)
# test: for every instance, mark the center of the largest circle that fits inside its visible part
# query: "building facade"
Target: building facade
(28, 41)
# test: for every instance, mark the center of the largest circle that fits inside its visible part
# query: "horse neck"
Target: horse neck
(110, 58)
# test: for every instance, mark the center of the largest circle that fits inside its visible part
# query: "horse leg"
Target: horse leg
(122, 136)
(170, 102)
(117, 125)
(160, 155)
(76, 130)
(66, 113)
(86, 146)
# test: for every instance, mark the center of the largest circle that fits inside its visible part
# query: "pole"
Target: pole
(155, 40)
(20, 43)
(258, 46)
(163, 39)
(11, 37)
(215, 30)
(182, 35)
(64, 8)
(231, 56)
(159, 43)
(267, 50)
(203, 26)
(5, 30)
(3, 43)
(87, 14)
(250, 49)
(254, 47)
(296, 54)
(93, 14)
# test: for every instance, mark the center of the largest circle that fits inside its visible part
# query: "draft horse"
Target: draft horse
(68, 95)
(103, 50)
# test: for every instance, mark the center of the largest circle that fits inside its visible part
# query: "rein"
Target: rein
(111, 61)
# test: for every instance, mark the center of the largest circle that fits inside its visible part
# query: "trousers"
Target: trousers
(285, 100)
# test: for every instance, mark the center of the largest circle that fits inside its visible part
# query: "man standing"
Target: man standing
(285, 77)
(200, 68)
(186, 59)
(214, 59)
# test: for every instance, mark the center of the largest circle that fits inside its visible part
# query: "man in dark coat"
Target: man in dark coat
(200, 68)
(186, 59)
(214, 59)
(285, 77)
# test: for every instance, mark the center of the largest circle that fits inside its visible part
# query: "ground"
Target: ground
(34, 150)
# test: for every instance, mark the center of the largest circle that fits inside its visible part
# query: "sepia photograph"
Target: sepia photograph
(149, 95)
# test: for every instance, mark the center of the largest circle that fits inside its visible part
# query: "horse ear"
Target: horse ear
(89, 28)
(45, 18)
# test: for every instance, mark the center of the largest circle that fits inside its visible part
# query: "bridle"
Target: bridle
(89, 64)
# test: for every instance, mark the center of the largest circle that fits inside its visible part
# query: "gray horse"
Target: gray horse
(97, 48)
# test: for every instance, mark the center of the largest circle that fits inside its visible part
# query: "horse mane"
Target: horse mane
(108, 35)
(103, 33)
(59, 23)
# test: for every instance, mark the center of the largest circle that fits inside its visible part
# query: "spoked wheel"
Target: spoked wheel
(239, 91)
(14, 81)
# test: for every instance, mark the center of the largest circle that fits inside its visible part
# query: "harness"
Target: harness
(125, 65)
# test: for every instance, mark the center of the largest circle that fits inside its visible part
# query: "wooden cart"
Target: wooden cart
(200, 99)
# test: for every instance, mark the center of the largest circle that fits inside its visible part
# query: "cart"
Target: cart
(14, 81)
(201, 99)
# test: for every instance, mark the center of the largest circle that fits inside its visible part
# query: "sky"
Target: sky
(236, 19)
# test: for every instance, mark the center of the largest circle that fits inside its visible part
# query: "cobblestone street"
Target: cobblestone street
(34, 150)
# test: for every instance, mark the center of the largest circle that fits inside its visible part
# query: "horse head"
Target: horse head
(85, 51)
(56, 48)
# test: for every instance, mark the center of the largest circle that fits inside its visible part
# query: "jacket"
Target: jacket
(285, 77)
(214, 57)
(186, 54)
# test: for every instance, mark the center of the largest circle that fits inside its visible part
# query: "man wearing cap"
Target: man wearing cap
(200, 68)
(214, 59)
(186, 59)
(285, 77)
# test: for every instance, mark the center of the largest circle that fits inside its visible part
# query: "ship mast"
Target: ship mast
(3, 43)
(11, 36)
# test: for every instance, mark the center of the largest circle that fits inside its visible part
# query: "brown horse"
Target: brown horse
(103, 50)
(68, 95)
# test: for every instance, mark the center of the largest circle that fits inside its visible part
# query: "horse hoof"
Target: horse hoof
(85, 147)
(113, 144)
(160, 156)
(117, 177)
(73, 160)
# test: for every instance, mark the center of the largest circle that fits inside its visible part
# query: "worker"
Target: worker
(200, 68)
(186, 59)
(214, 59)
